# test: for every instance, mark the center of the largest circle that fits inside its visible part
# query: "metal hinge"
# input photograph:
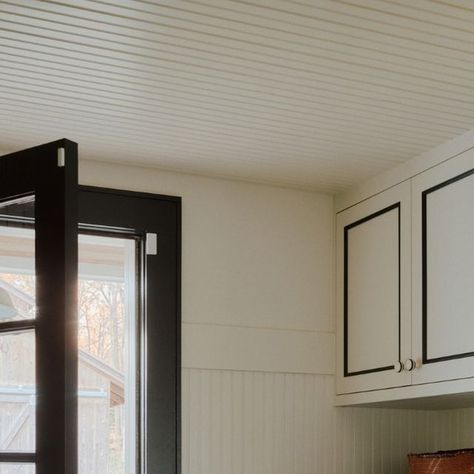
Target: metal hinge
(61, 157)
(151, 244)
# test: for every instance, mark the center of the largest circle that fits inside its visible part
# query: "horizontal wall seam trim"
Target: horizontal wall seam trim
(260, 328)
(257, 371)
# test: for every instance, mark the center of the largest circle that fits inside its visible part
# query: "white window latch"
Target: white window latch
(151, 244)
(61, 157)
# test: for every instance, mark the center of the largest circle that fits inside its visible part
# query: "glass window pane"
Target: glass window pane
(106, 355)
(17, 391)
(17, 260)
(10, 468)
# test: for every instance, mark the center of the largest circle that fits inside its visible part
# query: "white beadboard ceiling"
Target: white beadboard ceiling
(315, 94)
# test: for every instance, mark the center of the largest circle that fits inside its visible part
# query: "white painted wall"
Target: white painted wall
(257, 270)
(258, 342)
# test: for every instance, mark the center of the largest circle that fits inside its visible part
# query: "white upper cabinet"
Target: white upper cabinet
(405, 289)
(443, 271)
(373, 262)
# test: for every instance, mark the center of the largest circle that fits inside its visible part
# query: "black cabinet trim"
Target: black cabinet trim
(424, 264)
(347, 228)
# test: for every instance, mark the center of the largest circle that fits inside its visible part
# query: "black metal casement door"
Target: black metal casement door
(38, 195)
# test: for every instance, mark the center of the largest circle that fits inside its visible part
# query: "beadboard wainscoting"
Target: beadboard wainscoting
(242, 422)
(447, 429)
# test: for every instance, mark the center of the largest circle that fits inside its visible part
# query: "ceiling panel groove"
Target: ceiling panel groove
(326, 169)
(307, 93)
(166, 145)
(229, 71)
(242, 68)
(257, 30)
(135, 97)
(395, 52)
(184, 113)
(344, 98)
(165, 123)
(321, 113)
(272, 14)
(387, 13)
(432, 73)
(59, 76)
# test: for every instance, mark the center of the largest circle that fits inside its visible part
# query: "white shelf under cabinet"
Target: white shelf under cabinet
(430, 396)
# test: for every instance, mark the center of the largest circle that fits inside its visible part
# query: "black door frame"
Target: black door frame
(116, 212)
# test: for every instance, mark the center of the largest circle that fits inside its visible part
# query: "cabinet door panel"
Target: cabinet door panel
(450, 265)
(443, 269)
(372, 307)
(373, 259)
